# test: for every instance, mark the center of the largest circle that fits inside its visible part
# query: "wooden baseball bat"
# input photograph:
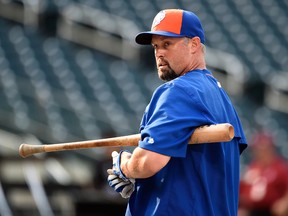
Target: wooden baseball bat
(204, 134)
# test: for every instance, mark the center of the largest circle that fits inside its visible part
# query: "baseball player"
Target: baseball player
(264, 184)
(165, 176)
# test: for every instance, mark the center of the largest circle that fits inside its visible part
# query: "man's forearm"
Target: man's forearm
(142, 163)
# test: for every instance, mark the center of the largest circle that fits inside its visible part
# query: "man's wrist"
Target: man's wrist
(125, 157)
(125, 169)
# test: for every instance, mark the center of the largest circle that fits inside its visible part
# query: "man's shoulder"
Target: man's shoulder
(176, 86)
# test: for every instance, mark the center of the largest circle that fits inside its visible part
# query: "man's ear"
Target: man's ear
(195, 44)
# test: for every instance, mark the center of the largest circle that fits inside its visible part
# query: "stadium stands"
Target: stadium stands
(69, 70)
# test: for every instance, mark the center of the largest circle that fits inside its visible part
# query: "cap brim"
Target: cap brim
(145, 38)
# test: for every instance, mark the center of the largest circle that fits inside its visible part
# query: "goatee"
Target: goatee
(167, 74)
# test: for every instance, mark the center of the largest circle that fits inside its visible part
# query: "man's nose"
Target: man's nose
(159, 53)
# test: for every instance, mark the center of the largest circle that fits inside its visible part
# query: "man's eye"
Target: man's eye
(166, 44)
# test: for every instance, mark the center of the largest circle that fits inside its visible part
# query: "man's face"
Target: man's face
(172, 56)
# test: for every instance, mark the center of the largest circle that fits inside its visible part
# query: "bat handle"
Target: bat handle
(26, 150)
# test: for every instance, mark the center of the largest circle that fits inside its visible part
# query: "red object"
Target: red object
(261, 185)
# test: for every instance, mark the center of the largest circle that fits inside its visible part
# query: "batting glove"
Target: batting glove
(125, 188)
(117, 165)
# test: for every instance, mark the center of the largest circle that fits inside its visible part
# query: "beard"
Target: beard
(167, 74)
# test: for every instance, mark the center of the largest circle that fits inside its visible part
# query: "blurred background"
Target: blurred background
(70, 70)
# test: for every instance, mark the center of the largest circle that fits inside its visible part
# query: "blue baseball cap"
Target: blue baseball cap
(173, 23)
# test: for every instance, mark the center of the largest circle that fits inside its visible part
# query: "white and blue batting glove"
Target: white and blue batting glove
(117, 165)
(125, 188)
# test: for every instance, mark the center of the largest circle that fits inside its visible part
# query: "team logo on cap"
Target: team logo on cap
(159, 17)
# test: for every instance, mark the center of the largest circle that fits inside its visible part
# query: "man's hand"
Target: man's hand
(125, 188)
(117, 179)
(280, 207)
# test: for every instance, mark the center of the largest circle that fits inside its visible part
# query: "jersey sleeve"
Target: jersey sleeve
(170, 119)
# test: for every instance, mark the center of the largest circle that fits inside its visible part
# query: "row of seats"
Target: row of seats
(73, 92)
(60, 91)
(244, 28)
(49, 81)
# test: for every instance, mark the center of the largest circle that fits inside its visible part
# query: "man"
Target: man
(264, 185)
(172, 177)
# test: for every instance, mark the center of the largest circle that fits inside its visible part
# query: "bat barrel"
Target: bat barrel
(212, 133)
(231, 132)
